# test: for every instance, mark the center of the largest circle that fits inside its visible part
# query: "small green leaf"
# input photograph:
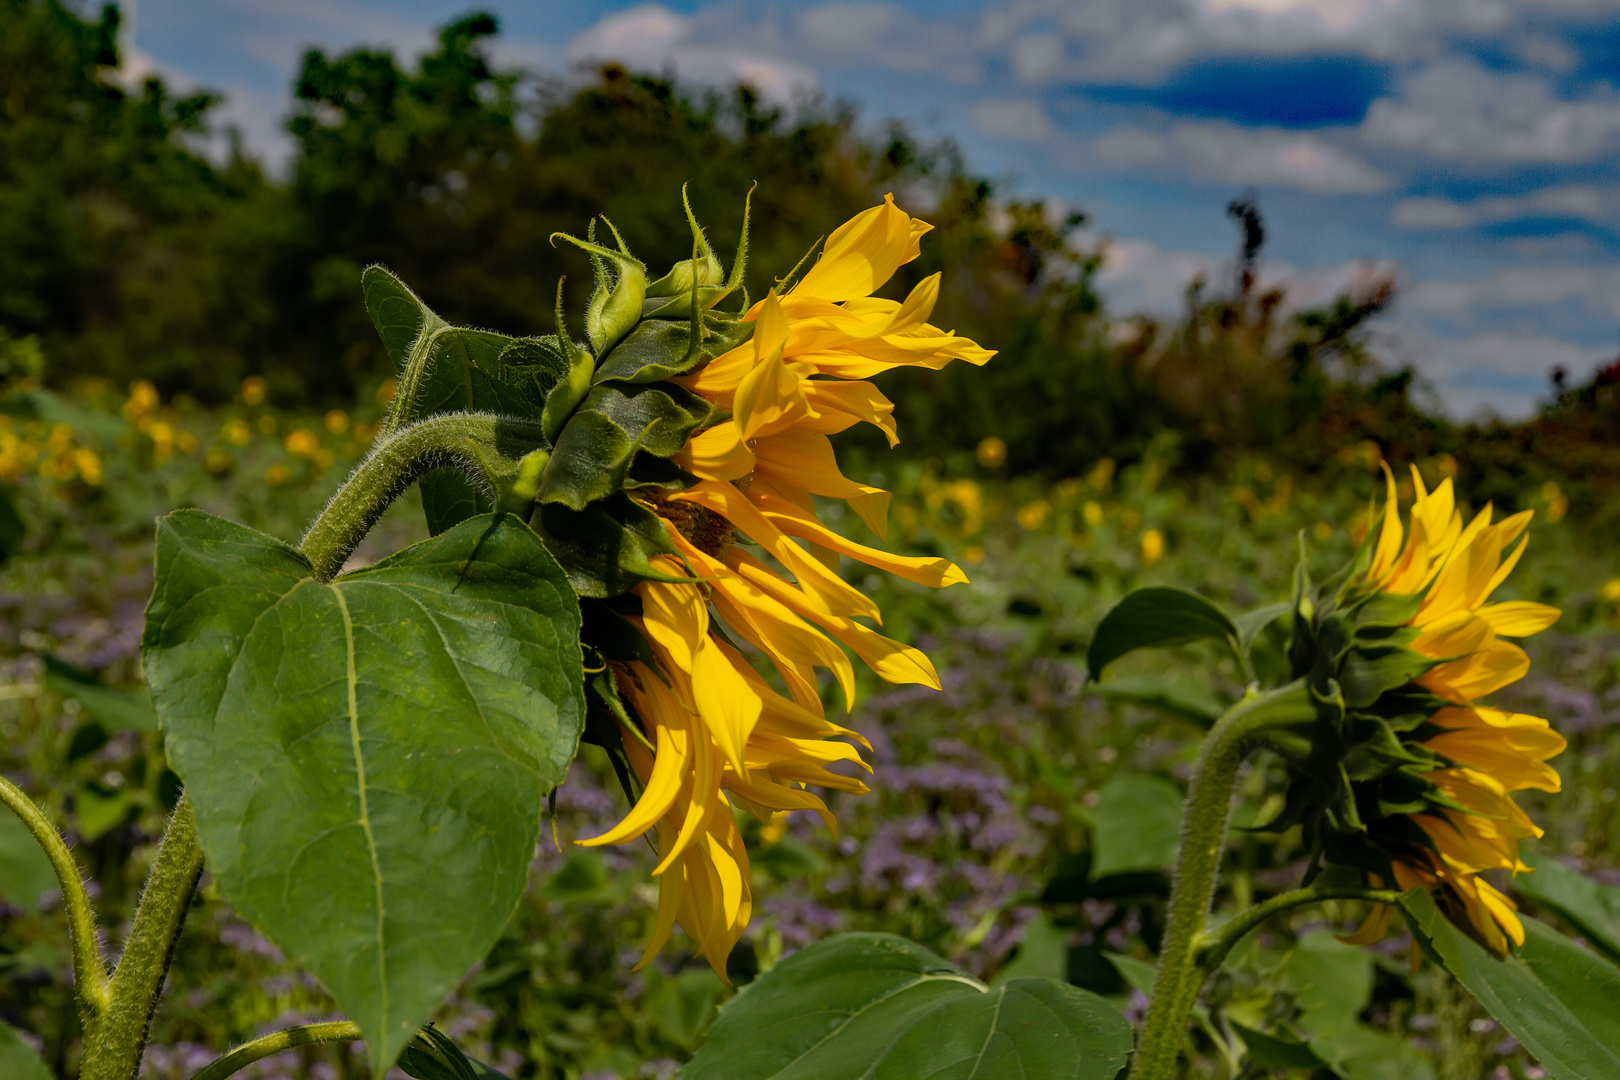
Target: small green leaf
(368, 757)
(25, 870)
(99, 811)
(1561, 1001)
(17, 1059)
(1136, 825)
(878, 1007)
(1043, 954)
(615, 422)
(1592, 906)
(1155, 618)
(1275, 1052)
(1250, 623)
(399, 316)
(116, 710)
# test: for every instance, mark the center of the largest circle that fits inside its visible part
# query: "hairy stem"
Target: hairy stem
(1213, 950)
(114, 1044)
(1203, 840)
(481, 445)
(275, 1043)
(89, 967)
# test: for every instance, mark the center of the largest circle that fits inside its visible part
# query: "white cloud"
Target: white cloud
(654, 38)
(1140, 278)
(1597, 288)
(1017, 119)
(1572, 201)
(1219, 151)
(1491, 374)
(1458, 109)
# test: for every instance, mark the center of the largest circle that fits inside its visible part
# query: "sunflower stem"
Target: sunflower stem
(275, 1043)
(1213, 949)
(115, 1042)
(1203, 841)
(486, 447)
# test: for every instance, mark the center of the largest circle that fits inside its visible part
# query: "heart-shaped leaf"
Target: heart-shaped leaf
(878, 1007)
(367, 758)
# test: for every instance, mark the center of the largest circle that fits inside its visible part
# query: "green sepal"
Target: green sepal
(1369, 670)
(688, 292)
(647, 471)
(621, 287)
(702, 270)
(575, 383)
(606, 549)
(655, 350)
(612, 635)
(615, 422)
(432, 1056)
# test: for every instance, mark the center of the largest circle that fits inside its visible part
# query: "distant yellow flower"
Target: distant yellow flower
(1152, 547)
(991, 452)
(337, 421)
(1611, 590)
(1455, 568)
(720, 735)
(1031, 516)
(253, 390)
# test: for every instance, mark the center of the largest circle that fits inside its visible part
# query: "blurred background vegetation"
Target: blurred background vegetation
(178, 326)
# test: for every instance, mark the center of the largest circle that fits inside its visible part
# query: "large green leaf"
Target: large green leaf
(1157, 617)
(1561, 1001)
(1592, 906)
(879, 1007)
(17, 1059)
(25, 871)
(367, 758)
(1136, 825)
(614, 423)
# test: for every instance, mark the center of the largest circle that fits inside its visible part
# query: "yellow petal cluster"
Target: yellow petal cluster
(1456, 567)
(714, 734)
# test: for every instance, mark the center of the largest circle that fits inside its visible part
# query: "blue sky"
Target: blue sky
(1471, 146)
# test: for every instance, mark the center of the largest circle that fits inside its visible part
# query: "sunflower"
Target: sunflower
(709, 733)
(1471, 824)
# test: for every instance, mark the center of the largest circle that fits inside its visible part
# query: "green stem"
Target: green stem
(482, 445)
(275, 1043)
(89, 967)
(1203, 840)
(114, 1044)
(1212, 951)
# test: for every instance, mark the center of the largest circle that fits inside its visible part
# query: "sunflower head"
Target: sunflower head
(1409, 777)
(689, 447)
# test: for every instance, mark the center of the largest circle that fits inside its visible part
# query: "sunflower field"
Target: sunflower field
(731, 660)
